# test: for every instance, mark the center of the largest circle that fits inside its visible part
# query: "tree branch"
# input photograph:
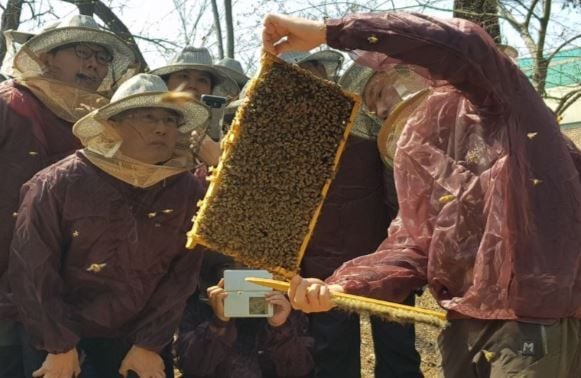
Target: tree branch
(218, 27)
(118, 27)
(10, 20)
(530, 13)
(561, 46)
(566, 101)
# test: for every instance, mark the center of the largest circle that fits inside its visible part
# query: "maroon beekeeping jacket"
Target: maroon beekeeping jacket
(356, 212)
(93, 256)
(245, 348)
(31, 138)
(488, 189)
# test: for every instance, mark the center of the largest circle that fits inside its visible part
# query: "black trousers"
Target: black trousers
(101, 357)
(11, 362)
(337, 346)
(10, 351)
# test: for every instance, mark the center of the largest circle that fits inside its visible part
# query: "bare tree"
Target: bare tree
(190, 15)
(86, 7)
(218, 28)
(533, 22)
(229, 28)
(11, 13)
(545, 35)
(114, 23)
(481, 12)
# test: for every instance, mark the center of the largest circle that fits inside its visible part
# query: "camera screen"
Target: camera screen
(257, 306)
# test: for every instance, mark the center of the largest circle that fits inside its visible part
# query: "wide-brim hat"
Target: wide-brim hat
(508, 50)
(393, 126)
(18, 36)
(77, 29)
(331, 60)
(233, 68)
(21, 37)
(199, 58)
(141, 91)
(403, 79)
(355, 78)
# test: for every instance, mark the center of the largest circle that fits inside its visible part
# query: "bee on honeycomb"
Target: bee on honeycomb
(278, 162)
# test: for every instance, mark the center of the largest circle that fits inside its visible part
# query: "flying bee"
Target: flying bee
(177, 97)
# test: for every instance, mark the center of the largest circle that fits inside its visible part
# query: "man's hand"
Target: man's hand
(311, 294)
(145, 363)
(62, 365)
(282, 33)
(216, 296)
(282, 309)
(208, 151)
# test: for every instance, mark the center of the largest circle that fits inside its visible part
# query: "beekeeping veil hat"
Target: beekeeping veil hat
(103, 143)
(233, 68)
(199, 58)
(406, 83)
(14, 39)
(66, 100)
(76, 29)
(141, 91)
(331, 60)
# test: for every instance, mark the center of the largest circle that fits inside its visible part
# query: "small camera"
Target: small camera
(215, 102)
(216, 105)
(246, 300)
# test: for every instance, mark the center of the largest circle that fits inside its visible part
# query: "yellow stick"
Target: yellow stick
(394, 311)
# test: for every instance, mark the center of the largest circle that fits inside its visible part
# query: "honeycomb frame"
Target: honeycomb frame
(230, 190)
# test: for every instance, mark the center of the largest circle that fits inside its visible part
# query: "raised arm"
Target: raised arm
(453, 50)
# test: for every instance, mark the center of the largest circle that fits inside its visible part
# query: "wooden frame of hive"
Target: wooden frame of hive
(221, 208)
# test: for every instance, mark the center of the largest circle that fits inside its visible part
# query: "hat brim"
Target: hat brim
(393, 126)
(19, 37)
(331, 60)
(238, 77)
(123, 55)
(329, 55)
(225, 86)
(355, 78)
(195, 114)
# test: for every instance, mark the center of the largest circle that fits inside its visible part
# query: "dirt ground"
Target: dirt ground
(426, 343)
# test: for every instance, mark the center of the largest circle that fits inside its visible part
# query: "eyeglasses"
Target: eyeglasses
(83, 51)
(151, 120)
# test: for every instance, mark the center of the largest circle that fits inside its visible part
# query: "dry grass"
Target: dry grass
(426, 343)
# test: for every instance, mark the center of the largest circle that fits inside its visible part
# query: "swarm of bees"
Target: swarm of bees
(277, 164)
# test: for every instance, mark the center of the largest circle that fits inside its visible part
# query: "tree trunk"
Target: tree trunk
(481, 12)
(86, 7)
(10, 20)
(218, 28)
(229, 27)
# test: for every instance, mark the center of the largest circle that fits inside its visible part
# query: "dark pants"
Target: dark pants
(337, 346)
(101, 357)
(474, 348)
(10, 351)
(11, 362)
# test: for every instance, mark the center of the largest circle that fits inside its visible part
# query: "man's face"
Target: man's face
(380, 96)
(82, 64)
(149, 134)
(315, 67)
(196, 82)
